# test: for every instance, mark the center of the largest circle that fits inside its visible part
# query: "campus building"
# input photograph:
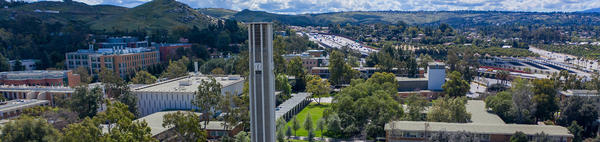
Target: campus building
(483, 126)
(49, 93)
(168, 51)
(310, 59)
(124, 41)
(28, 64)
(178, 93)
(121, 60)
(40, 78)
(420, 131)
(14, 108)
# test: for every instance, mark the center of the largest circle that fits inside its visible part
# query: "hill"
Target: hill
(63, 12)
(592, 10)
(217, 12)
(454, 18)
(157, 14)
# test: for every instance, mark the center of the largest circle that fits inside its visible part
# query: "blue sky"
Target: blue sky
(319, 6)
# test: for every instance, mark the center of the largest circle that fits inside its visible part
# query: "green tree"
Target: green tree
(311, 136)
(206, 97)
(501, 103)
(580, 110)
(121, 126)
(339, 71)
(86, 102)
(18, 66)
(28, 128)
(448, 109)
(186, 125)
(83, 74)
(295, 125)
(519, 137)
(321, 126)
(176, 69)
(288, 132)
(577, 131)
(295, 68)
(318, 88)
(86, 130)
(544, 99)
(282, 84)
(217, 71)
(456, 86)
(4, 64)
(308, 124)
(143, 77)
(415, 106)
(242, 137)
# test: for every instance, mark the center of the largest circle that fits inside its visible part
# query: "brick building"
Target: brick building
(40, 78)
(121, 60)
(169, 51)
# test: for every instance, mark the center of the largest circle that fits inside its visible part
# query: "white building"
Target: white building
(437, 76)
(14, 108)
(178, 93)
(28, 64)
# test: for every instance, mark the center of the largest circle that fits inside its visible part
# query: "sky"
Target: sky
(321, 6)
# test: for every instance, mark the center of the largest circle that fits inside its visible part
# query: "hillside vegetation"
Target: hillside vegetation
(454, 18)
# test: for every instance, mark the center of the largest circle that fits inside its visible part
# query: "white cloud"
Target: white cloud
(318, 6)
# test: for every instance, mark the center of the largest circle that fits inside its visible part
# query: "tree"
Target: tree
(27, 128)
(143, 77)
(580, 110)
(295, 67)
(84, 75)
(282, 84)
(308, 124)
(451, 110)
(522, 108)
(318, 88)
(295, 125)
(339, 71)
(217, 71)
(86, 130)
(334, 124)
(416, 105)
(288, 132)
(18, 66)
(577, 131)
(501, 103)
(503, 76)
(86, 102)
(456, 86)
(544, 99)
(321, 126)
(206, 97)
(121, 126)
(186, 125)
(4, 64)
(519, 137)
(311, 135)
(176, 69)
(242, 137)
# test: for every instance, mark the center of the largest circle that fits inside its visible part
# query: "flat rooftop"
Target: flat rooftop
(411, 79)
(188, 83)
(290, 104)
(505, 129)
(17, 104)
(34, 74)
(155, 121)
(480, 115)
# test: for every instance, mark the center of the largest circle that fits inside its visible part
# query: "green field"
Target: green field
(316, 112)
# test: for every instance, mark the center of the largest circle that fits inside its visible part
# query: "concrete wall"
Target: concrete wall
(437, 78)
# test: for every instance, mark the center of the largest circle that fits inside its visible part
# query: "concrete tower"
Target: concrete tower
(436, 73)
(262, 82)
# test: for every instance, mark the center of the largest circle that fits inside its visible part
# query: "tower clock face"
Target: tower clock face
(258, 66)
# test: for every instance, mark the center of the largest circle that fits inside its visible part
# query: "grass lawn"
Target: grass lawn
(316, 112)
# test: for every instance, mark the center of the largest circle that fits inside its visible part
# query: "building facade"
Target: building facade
(125, 41)
(309, 60)
(262, 82)
(436, 73)
(169, 51)
(122, 61)
(40, 78)
(178, 93)
(28, 64)
(14, 108)
(420, 131)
